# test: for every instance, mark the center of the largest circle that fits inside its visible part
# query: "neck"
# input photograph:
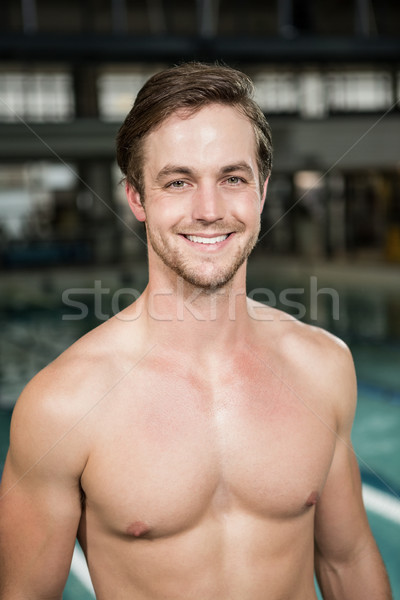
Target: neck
(198, 321)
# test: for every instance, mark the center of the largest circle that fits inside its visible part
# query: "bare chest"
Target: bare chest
(171, 453)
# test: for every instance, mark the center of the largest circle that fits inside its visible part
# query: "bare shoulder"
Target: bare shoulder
(50, 415)
(328, 365)
(306, 342)
(300, 341)
(314, 358)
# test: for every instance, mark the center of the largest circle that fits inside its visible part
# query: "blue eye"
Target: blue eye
(177, 184)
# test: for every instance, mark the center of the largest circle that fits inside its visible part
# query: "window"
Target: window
(277, 92)
(117, 92)
(359, 91)
(36, 96)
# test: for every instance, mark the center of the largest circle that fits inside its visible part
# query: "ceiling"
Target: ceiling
(147, 30)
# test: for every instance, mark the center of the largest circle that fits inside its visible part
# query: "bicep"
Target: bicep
(38, 524)
(40, 506)
(341, 524)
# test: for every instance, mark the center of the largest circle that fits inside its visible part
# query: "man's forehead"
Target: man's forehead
(213, 138)
(207, 113)
(213, 125)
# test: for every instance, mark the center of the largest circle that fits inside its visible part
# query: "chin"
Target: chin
(208, 281)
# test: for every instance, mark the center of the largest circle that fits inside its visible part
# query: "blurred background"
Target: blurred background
(327, 75)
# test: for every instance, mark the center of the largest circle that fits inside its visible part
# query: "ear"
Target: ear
(135, 203)
(264, 194)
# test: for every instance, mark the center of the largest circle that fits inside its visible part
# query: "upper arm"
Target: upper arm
(40, 504)
(341, 525)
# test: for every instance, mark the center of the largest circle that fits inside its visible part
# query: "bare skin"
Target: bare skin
(197, 443)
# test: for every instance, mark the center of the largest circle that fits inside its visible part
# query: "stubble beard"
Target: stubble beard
(190, 272)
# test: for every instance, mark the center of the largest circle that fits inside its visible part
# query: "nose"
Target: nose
(207, 204)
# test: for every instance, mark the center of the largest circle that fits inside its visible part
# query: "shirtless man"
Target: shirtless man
(197, 443)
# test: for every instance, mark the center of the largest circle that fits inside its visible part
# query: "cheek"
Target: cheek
(246, 209)
(163, 214)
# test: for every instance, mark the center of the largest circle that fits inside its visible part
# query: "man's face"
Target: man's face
(202, 198)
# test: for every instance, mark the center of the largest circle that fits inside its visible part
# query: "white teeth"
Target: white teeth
(204, 240)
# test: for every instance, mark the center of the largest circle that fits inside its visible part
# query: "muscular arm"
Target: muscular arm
(347, 561)
(39, 497)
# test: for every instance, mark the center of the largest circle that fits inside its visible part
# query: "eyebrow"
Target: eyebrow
(241, 166)
(169, 170)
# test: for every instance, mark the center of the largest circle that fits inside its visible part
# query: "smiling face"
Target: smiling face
(202, 198)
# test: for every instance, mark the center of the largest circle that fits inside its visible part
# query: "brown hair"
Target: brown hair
(189, 87)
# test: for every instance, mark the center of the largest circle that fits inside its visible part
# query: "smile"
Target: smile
(206, 240)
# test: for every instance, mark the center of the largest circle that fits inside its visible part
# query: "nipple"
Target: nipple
(138, 529)
(312, 499)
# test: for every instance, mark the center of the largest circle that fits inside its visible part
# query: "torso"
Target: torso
(203, 485)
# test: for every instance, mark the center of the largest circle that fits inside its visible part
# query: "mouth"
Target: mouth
(199, 239)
